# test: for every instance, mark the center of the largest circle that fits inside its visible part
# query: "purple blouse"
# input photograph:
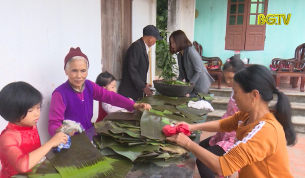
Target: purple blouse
(58, 107)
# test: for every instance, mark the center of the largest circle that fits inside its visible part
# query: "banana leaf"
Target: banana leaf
(50, 175)
(44, 169)
(169, 108)
(136, 143)
(82, 159)
(208, 97)
(192, 117)
(108, 141)
(130, 152)
(152, 100)
(197, 112)
(108, 152)
(117, 130)
(151, 148)
(174, 117)
(120, 164)
(151, 125)
(110, 128)
(164, 155)
(97, 141)
(159, 100)
(125, 125)
(174, 149)
(153, 154)
(118, 116)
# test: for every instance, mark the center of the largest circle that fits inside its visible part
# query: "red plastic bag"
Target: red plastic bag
(170, 130)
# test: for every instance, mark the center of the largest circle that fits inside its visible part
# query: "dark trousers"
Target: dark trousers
(204, 171)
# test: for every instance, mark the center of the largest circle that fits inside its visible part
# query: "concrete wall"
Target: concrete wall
(281, 40)
(181, 16)
(35, 38)
(143, 14)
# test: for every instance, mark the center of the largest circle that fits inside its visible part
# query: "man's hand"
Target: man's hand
(147, 91)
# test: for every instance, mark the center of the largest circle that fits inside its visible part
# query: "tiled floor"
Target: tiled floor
(296, 156)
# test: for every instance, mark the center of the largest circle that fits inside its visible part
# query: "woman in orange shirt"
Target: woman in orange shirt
(261, 137)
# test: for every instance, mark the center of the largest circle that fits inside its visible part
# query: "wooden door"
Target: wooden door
(116, 34)
(255, 34)
(236, 24)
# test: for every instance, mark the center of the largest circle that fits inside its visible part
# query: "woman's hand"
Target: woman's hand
(180, 139)
(58, 138)
(142, 106)
(189, 125)
(59, 130)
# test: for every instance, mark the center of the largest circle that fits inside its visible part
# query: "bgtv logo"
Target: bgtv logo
(271, 19)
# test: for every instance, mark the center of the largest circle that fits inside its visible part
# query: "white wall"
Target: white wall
(143, 14)
(35, 38)
(181, 16)
(187, 11)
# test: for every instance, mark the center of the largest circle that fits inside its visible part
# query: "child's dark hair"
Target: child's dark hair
(16, 99)
(258, 77)
(104, 79)
(233, 64)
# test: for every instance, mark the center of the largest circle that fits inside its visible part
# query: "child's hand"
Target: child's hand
(58, 138)
(142, 106)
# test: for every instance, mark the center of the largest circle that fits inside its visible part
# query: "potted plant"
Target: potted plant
(166, 63)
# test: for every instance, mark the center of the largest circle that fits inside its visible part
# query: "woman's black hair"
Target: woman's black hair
(258, 77)
(104, 79)
(16, 99)
(233, 64)
(181, 41)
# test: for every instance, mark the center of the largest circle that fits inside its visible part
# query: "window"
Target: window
(242, 32)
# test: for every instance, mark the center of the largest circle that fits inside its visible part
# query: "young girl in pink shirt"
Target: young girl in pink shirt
(222, 141)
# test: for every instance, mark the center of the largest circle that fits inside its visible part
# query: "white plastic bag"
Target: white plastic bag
(202, 104)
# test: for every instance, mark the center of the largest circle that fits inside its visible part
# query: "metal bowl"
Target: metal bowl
(172, 90)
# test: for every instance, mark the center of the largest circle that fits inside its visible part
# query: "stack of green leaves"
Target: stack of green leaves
(133, 140)
(139, 136)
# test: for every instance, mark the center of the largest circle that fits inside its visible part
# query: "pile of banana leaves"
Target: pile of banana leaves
(122, 139)
(138, 136)
(82, 159)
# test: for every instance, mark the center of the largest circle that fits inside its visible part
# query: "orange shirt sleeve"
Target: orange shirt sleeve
(260, 142)
(230, 124)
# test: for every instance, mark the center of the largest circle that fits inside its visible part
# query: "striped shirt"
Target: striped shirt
(260, 150)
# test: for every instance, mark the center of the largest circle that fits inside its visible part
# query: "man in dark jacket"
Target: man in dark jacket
(136, 65)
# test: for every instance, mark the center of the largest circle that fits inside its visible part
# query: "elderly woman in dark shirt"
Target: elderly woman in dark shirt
(191, 68)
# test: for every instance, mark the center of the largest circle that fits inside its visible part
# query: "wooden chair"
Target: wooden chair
(293, 68)
(213, 66)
